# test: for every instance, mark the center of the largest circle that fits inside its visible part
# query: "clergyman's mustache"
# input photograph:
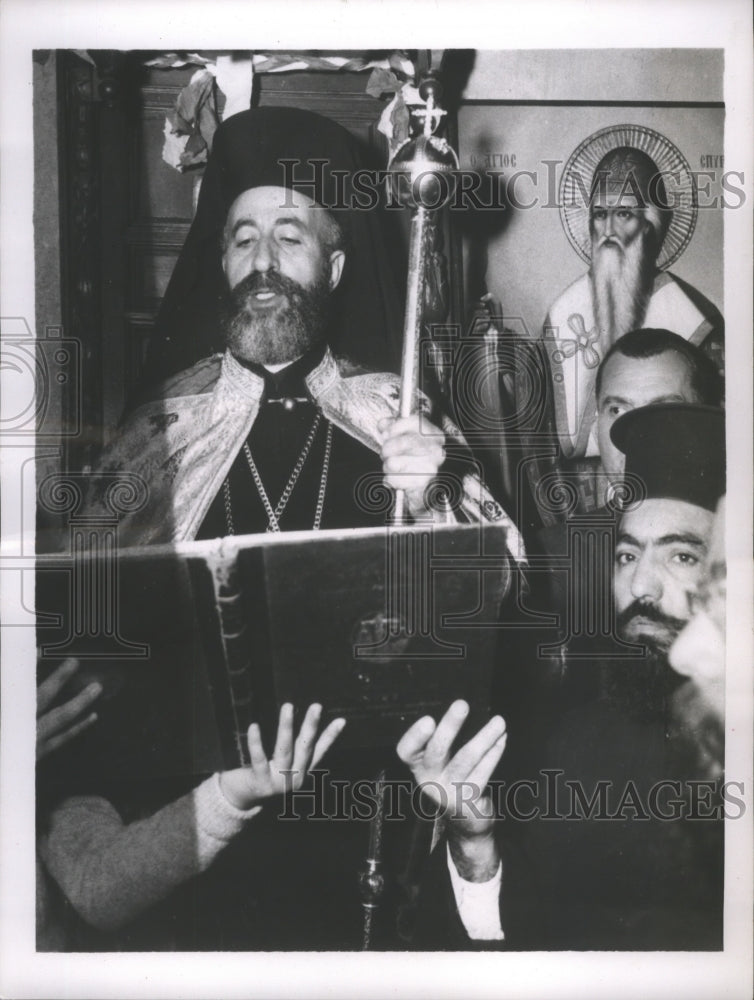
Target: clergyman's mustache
(264, 281)
(649, 612)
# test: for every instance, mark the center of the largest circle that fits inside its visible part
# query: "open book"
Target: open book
(193, 642)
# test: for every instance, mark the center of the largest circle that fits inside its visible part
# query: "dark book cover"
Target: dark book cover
(198, 640)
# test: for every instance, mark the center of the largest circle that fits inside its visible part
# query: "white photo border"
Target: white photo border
(30, 24)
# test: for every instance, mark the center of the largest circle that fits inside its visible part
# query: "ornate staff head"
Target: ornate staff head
(423, 169)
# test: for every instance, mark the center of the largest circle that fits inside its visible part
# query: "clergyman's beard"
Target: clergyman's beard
(622, 280)
(275, 336)
(659, 638)
(640, 688)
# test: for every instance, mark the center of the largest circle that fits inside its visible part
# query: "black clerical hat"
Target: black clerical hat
(677, 450)
(298, 149)
(284, 147)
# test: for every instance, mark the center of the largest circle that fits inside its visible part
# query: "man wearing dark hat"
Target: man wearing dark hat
(644, 880)
(276, 433)
(677, 451)
(635, 225)
(626, 854)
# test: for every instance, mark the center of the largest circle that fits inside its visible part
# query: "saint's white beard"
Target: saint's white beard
(622, 283)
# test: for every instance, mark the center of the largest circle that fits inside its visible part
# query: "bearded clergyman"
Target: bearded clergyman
(277, 433)
(637, 225)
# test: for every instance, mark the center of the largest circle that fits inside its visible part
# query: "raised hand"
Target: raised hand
(455, 784)
(56, 726)
(291, 760)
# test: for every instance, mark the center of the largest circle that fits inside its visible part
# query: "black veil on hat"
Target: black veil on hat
(247, 152)
(677, 450)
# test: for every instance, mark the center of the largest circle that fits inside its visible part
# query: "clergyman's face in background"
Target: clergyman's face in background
(628, 383)
(659, 560)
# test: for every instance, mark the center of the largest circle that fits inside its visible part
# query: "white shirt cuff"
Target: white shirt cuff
(478, 903)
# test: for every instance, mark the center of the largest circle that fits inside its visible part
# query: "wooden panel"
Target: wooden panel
(161, 192)
(80, 259)
(153, 249)
(158, 191)
(139, 327)
(149, 271)
(340, 96)
(160, 211)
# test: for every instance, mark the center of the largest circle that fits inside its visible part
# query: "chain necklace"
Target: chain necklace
(273, 516)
